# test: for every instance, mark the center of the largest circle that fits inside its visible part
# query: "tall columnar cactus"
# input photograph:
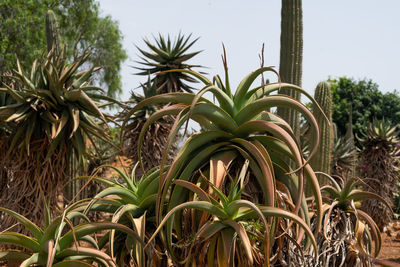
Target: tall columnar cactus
(52, 33)
(321, 160)
(349, 136)
(291, 56)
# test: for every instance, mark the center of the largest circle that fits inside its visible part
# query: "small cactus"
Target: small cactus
(52, 33)
(321, 160)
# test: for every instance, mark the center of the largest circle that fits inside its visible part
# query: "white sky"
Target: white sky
(355, 38)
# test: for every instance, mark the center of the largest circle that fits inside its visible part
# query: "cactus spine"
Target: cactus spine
(52, 32)
(321, 160)
(291, 56)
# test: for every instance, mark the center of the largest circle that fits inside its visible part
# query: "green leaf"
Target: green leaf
(121, 192)
(19, 240)
(246, 83)
(90, 252)
(251, 111)
(89, 228)
(33, 228)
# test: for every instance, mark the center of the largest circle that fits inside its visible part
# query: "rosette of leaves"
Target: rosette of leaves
(53, 114)
(55, 244)
(348, 233)
(227, 229)
(131, 202)
(167, 55)
(156, 136)
(343, 157)
(235, 129)
(380, 165)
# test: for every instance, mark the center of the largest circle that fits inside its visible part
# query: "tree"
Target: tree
(367, 103)
(23, 36)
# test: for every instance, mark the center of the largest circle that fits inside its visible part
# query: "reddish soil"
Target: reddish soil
(391, 245)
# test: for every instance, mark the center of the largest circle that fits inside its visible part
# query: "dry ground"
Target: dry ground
(391, 244)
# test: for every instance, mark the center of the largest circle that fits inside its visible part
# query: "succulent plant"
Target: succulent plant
(380, 167)
(167, 55)
(156, 136)
(291, 57)
(232, 131)
(347, 232)
(54, 112)
(224, 236)
(53, 245)
(321, 161)
(343, 157)
(133, 205)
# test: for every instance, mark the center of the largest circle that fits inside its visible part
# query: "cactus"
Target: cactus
(52, 33)
(349, 136)
(291, 56)
(321, 160)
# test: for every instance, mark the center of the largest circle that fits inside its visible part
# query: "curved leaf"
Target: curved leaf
(33, 228)
(255, 108)
(89, 228)
(246, 83)
(19, 240)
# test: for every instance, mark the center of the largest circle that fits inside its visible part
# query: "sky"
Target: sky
(356, 38)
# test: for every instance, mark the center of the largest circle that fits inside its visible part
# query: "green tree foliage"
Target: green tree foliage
(23, 35)
(368, 103)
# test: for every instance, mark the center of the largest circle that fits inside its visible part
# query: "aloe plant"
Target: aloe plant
(344, 157)
(157, 134)
(165, 55)
(344, 222)
(223, 236)
(379, 164)
(54, 112)
(53, 245)
(130, 202)
(233, 131)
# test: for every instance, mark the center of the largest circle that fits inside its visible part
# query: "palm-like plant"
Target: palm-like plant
(236, 129)
(163, 56)
(347, 232)
(380, 165)
(53, 245)
(52, 116)
(167, 55)
(156, 136)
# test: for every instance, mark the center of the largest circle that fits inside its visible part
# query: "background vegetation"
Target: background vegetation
(81, 26)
